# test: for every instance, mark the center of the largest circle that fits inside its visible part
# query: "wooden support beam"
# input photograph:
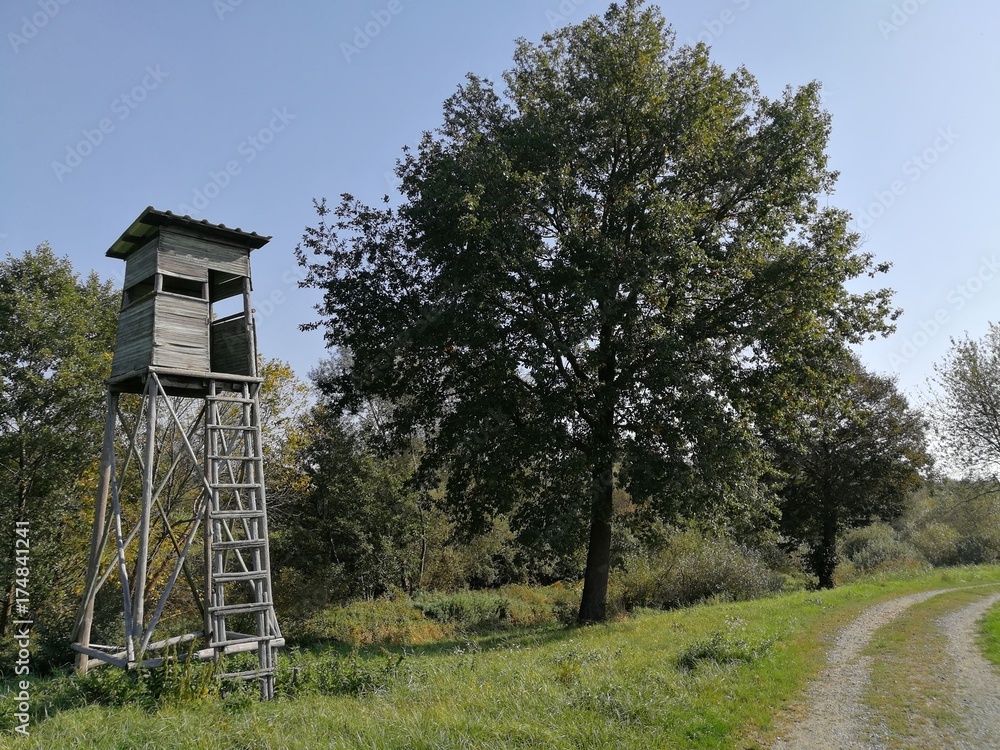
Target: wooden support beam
(139, 599)
(85, 616)
(99, 655)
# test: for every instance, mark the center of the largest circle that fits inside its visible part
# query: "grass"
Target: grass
(989, 629)
(911, 673)
(710, 676)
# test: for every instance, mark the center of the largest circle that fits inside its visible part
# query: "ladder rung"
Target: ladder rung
(236, 515)
(230, 399)
(242, 640)
(233, 458)
(248, 575)
(248, 675)
(240, 609)
(239, 544)
(244, 427)
(236, 486)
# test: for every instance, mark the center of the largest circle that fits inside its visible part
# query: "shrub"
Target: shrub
(511, 606)
(690, 568)
(392, 619)
(466, 609)
(869, 548)
(937, 542)
(330, 673)
(977, 549)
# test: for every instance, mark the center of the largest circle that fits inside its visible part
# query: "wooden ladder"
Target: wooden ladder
(237, 560)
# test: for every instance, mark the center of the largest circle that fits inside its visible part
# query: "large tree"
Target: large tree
(605, 276)
(853, 455)
(56, 337)
(966, 409)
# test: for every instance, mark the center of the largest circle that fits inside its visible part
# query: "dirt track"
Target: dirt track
(834, 711)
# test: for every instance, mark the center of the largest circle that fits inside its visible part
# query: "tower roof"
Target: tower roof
(150, 220)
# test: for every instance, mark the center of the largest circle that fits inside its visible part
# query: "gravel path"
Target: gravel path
(977, 686)
(835, 714)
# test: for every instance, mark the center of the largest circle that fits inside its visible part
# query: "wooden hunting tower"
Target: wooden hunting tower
(174, 347)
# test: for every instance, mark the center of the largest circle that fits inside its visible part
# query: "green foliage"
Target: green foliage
(390, 620)
(399, 620)
(55, 353)
(467, 609)
(877, 546)
(938, 543)
(989, 628)
(607, 277)
(620, 685)
(851, 455)
(511, 606)
(686, 567)
(966, 411)
(356, 530)
(954, 522)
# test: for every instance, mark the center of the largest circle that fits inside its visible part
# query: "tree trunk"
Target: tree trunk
(826, 553)
(593, 604)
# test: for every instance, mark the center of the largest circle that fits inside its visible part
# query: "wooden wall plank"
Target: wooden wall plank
(230, 346)
(187, 255)
(181, 331)
(134, 339)
(141, 264)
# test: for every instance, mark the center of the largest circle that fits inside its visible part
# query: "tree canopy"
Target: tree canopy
(854, 455)
(55, 352)
(967, 408)
(607, 275)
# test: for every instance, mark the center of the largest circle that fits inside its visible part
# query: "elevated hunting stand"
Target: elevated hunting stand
(194, 448)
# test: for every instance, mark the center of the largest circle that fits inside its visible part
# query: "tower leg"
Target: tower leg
(139, 598)
(85, 616)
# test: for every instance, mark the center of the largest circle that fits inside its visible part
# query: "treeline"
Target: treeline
(606, 331)
(350, 518)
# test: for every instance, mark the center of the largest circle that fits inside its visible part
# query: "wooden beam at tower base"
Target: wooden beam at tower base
(99, 535)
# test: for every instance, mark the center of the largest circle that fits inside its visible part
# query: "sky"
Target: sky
(242, 112)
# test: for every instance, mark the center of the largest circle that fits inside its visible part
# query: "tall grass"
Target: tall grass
(709, 676)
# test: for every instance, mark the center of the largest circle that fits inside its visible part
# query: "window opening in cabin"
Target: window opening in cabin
(226, 293)
(186, 287)
(138, 291)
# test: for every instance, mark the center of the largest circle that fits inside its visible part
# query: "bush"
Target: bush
(466, 609)
(391, 619)
(688, 568)
(877, 546)
(977, 549)
(511, 606)
(937, 542)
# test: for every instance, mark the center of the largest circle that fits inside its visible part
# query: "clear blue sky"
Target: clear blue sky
(260, 107)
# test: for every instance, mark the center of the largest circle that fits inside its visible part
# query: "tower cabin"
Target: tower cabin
(177, 272)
